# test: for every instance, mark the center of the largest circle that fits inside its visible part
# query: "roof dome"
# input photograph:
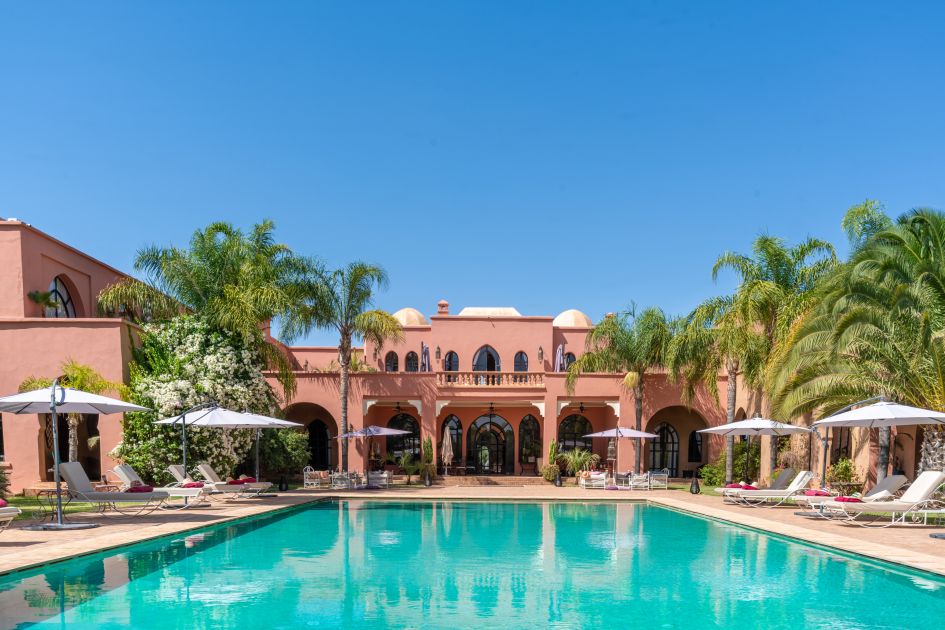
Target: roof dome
(572, 318)
(410, 317)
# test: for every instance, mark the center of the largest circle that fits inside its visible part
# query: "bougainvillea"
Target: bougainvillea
(182, 363)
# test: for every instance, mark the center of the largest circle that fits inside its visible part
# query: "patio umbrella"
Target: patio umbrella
(424, 357)
(370, 431)
(880, 414)
(621, 433)
(559, 358)
(214, 416)
(755, 426)
(447, 452)
(55, 400)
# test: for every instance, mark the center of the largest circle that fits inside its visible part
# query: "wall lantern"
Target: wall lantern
(438, 353)
(541, 354)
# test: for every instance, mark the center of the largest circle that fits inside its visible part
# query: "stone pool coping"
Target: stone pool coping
(910, 547)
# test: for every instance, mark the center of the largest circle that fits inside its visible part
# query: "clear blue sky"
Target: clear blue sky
(542, 155)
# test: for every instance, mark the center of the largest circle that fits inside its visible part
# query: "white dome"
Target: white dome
(572, 318)
(410, 317)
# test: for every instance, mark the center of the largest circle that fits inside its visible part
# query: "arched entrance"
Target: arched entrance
(664, 450)
(487, 360)
(529, 443)
(320, 444)
(322, 433)
(679, 447)
(407, 443)
(571, 433)
(491, 446)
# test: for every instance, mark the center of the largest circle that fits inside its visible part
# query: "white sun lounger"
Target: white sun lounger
(80, 489)
(882, 491)
(780, 483)
(773, 498)
(129, 478)
(7, 515)
(210, 475)
(593, 480)
(915, 504)
(210, 489)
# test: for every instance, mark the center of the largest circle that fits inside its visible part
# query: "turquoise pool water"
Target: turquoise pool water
(362, 564)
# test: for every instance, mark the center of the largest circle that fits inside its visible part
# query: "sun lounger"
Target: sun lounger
(130, 478)
(210, 476)
(589, 479)
(7, 516)
(639, 482)
(80, 489)
(780, 483)
(378, 479)
(882, 491)
(915, 504)
(774, 498)
(211, 490)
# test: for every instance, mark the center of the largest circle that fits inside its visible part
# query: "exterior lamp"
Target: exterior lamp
(438, 353)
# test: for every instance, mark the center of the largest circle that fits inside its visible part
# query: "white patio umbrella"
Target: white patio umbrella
(880, 414)
(214, 416)
(755, 426)
(447, 452)
(370, 431)
(55, 400)
(621, 433)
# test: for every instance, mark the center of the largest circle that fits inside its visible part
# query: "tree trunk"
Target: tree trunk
(344, 361)
(638, 408)
(73, 422)
(932, 450)
(730, 418)
(882, 459)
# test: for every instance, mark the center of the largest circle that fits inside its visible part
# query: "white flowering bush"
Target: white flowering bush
(182, 363)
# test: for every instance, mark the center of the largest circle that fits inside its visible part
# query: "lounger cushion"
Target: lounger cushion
(816, 493)
(848, 500)
(747, 487)
(235, 482)
(141, 489)
(733, 485)
(193, 484)
(3, 503)
(248, 479)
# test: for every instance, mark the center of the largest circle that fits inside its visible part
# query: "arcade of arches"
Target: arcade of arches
(322, 430)
(678, 446)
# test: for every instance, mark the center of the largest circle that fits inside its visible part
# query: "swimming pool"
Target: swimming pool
(376, 564)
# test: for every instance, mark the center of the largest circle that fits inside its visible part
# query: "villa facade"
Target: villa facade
(491, 379)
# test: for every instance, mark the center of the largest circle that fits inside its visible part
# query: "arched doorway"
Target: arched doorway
(405, 444)
(487, 360)
(322, 433)
(664, 450)
(529, 443)
(571, 433)
(490, 446)
(320, 444)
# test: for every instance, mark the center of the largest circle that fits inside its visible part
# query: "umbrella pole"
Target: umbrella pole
(183, 441)
(55, 429)
(258, 431)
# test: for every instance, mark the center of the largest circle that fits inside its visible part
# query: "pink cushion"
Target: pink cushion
(816, 493)
(235, 482)
(748, 487)
(3, 503)
(141, 489)
(248, 479)
(733, 485)
(193, 484)
(848, 500)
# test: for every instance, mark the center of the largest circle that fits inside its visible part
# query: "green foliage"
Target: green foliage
(43, 298)
(714, 474)
(427, 465)
(578, 459)
(409, 465)
(864, 220)
(283, 451)
(550, 472)
(553, 452)
(4, 484)
(841, 471)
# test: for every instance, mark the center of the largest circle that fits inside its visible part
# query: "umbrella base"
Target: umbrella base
(809, 513)
(939, 536)
(48, 527)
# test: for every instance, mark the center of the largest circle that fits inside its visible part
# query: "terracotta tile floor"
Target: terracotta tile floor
(910, 546)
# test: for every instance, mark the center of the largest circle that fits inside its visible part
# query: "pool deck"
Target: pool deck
(906, 545)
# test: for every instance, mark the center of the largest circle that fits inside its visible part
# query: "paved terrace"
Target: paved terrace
(907, 545)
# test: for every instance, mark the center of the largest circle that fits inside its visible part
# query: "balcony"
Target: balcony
(490, 379)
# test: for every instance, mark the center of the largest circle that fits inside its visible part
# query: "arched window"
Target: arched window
(664, 450)
(490, 446)
(571, 433)
(412, 362)
(398, 445)
(451, 364)
(487, 360)
(521, 362)
(695, 447)
(391, 364)
(453, 429)
(61, 304)
(569, 358)
(529, 440)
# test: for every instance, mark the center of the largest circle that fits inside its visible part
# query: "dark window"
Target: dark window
(451, 364)
(571, 433)
(695, 447)
(490, 444)
(391, 364)
(569, 358)
(412, 362)
(62, 305)
(407, 443)
(486, 360)
(529, 440)
(664, 450)
(840, 444)
(521, 362)
(453, 429)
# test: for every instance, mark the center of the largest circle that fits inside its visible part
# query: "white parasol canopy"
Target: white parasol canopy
(622, 433)
(371, 431)
(883, 414)
(756, 426)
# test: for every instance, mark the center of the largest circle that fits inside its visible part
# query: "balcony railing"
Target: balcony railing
(490, 379)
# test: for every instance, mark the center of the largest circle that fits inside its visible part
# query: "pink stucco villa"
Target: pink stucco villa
(491, 382)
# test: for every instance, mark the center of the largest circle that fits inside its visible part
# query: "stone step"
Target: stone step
(490, 480)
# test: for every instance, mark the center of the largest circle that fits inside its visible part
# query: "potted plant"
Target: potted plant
(44, 299)
(427, 466)
(551, 472)
(578, 459)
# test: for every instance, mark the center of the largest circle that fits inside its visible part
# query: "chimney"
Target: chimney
(442, 307)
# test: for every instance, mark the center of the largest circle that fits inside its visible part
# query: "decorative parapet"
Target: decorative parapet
(490, 379)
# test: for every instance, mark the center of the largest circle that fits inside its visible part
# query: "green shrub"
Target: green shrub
(714, 474)
(4, 484)
(578, 459)
(282, 451)
(550, 472)
(427, 467)
(842, 471)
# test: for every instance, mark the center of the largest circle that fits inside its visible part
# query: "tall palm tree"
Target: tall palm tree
(877, 330)
(776, 288)
(75, 375)
(712, 339)
(237, 281)
(342, 300)
(630, 343)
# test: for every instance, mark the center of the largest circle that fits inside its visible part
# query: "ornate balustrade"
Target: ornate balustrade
(490, 379)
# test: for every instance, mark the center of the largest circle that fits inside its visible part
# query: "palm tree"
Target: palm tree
(76, 376)
(578, 459)
(342, 300)
(877, 330)
(712, 339)
(237, 281)
(630, 343)
(776, 288)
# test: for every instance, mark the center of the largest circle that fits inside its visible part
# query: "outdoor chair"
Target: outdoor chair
(639, 481)
(130, 478)
(659, 480)
(780, 483)
(774, 498)
(211, 490)
(310, 478)
(882, 491)
(254, 488)
(127, 503)
(7, 515)
(592, 479)
(914, 505)
(378, 479)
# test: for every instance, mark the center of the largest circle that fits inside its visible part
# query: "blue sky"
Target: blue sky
(543, 155)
